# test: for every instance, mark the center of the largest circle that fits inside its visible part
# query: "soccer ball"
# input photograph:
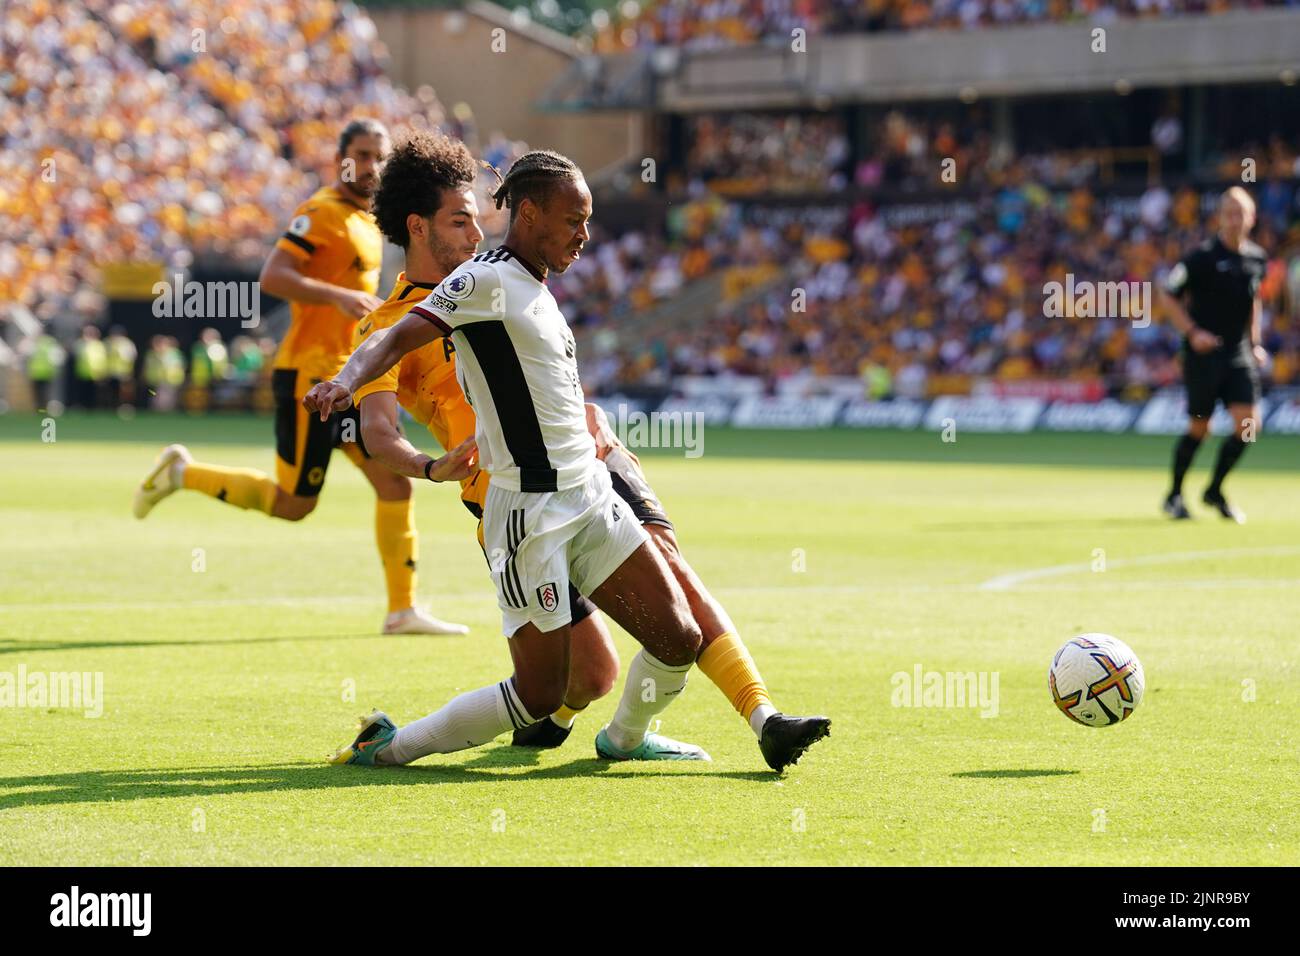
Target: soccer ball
(1096, 680)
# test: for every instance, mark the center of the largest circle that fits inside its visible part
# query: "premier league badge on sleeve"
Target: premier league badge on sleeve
(459, 286)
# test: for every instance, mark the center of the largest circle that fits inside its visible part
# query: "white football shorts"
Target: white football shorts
(539, 542)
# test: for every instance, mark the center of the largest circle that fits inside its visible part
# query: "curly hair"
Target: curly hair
(533, 176)
(416, 172)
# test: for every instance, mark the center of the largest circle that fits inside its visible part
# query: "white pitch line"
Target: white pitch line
(1177, 585)
(993, 584)
(1227, 584)
(1005, 582)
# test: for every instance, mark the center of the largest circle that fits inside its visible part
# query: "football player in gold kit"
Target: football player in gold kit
(327, 265)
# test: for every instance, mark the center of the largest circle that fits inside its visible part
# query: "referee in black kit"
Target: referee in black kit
(1221, 352)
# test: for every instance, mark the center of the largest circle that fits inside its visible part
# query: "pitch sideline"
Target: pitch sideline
(1005, 582)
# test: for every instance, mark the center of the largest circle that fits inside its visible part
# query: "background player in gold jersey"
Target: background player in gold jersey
(327, 266)
(425, 203)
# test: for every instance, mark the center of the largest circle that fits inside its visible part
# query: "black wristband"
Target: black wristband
(428, 466)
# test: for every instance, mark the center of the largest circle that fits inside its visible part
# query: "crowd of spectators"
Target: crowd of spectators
(714, 24)
(149, 132)
(747, 153)
(153, 136)
(95, 372)
(935, 304)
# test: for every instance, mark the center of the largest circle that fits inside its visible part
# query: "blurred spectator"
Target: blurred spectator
(164, 372)
(209, 361)
(121, 368)
(45, 368)
(246, 359)
(742, 153)
(244, 373)
(89, 367)
(877, 383)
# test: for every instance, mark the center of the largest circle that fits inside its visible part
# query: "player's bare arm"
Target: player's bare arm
(603, 433)
(1256, 335)
(387, 444)
(376, 355)
(282, 277)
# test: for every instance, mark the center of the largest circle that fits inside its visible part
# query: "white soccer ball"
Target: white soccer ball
(1096, 680)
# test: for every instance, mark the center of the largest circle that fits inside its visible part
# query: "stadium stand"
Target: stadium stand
(153, 140)
(714, 24)
(175, 155)
(939, 303)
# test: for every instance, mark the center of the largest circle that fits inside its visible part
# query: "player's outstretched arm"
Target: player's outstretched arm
(387, 445)
(376, 355)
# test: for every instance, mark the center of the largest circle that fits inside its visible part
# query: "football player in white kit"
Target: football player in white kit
(551, 515)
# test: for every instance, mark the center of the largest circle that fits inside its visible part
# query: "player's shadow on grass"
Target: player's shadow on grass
(504, 758)
(33, 647)
(1000, 774)
(104, 786)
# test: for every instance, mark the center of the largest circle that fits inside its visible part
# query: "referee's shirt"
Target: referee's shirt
(1221, 286)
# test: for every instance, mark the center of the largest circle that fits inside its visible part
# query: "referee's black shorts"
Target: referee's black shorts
(1221, 376)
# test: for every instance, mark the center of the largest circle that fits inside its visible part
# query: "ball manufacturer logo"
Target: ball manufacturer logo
(459, 286)
(549, 597)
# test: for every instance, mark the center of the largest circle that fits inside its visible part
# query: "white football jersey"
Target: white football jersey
(516, 364)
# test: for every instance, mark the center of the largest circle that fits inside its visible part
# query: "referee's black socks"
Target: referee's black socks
(1184, 452)
(1229, 451)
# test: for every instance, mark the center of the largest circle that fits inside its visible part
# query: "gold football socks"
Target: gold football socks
(241, 487)
(398, 548)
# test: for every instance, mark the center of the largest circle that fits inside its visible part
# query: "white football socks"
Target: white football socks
(759, 717)
(469, 720)
(651, 686)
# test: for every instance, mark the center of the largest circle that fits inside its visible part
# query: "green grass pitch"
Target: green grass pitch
(844, 558)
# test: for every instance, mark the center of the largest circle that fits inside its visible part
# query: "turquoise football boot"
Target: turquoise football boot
(375, 735)
(652, 747)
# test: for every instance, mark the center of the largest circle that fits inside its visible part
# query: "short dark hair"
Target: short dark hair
(534, 176)
(360, 127)
(418, 169)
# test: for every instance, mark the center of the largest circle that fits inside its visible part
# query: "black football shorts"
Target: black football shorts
(1218, 377)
